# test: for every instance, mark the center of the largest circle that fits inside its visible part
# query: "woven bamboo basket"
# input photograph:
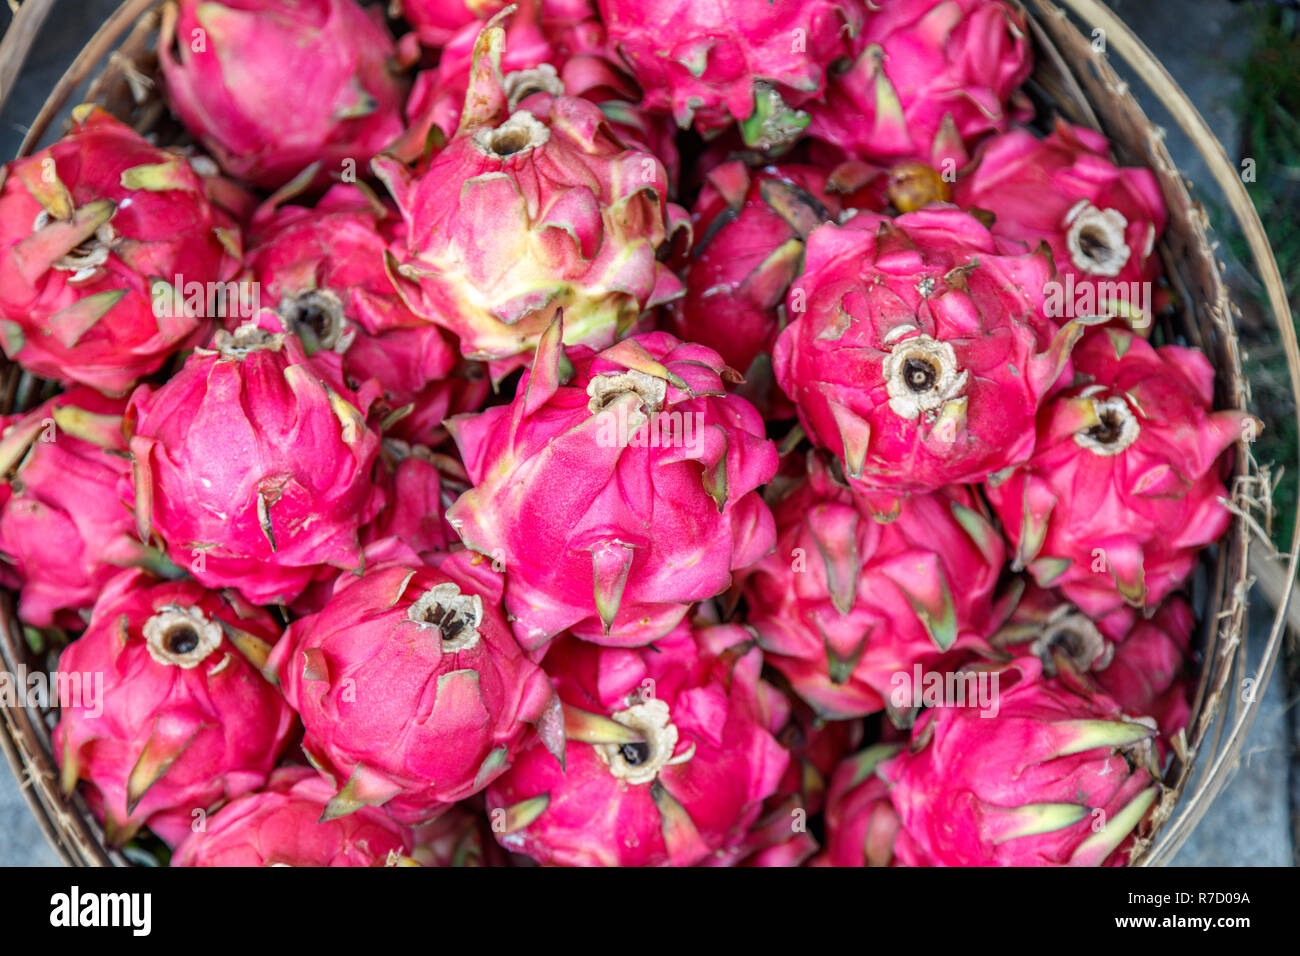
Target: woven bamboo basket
(1072, 76)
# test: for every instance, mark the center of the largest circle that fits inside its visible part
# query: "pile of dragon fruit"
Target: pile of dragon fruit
(604, 432)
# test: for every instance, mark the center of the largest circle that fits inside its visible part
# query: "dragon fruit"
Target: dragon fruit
(182, 719)
(278, 826)
(270, 87)
(254, 464)
(64, 532)
(616, 498)
(752, 226)
(437, 22)
(848, 608)
(459, 837)
(668, 761)
(1148, 673)
(525, 215)
(917, 353)
(928, 78)
(323, 272)
(1051, 776)
(95, 225)
(862, 828)
(1100, 220)
(419, 485)
(413, 693)
(714, 64)
(1124, 488)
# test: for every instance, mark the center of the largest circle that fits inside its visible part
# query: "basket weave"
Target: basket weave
(1083, 87)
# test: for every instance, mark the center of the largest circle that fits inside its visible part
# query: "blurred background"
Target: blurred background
(1239, 62)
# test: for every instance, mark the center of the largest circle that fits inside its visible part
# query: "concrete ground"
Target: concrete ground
(1198, 41)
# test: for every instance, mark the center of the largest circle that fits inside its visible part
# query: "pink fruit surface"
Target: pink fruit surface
(173, 717)
(93, 226)
(412, 691)
(279, 825)
(618, 496)
(668, 761)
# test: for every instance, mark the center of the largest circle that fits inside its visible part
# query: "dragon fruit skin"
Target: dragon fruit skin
(184, 720)
(1101, 220)
(278, 85)
(1148, 673)
(64, 531)
(459, 837)
(279, 826)
(862, 828)
(916, 353)
(522, 216)
(928, 78)
(649, 469)
(710, 65)
(412, 691)
(845, 604)
(752, 226)
(1123, 490)
(254, 465)
(94, 221)
(323, 271)
(689, 788)
(1046, 781)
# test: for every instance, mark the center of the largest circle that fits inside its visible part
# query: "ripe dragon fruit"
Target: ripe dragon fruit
(459, 837)
(1100, 220)
(1142, 664)
(862, 828)
(270, 87)
(323, 272)
(279, 826)
(710, 65)
(647, 469)
(917, 353)
(96, 224)
(847, 607)
(928, 78)
(1055, 776)
(419, 485)
(182, 719)
(668, 762)
(64, 532)
(525, 215)
(412, 691)
(1124, 487)
(254, 464)
(751, 228)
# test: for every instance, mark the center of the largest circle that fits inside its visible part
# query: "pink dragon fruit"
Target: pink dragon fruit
(279, 826)
(64, 532)
(668, 762)
(323, 272)
(917, 353)
(928, 78)
(412, 691)
(420, 485)
(95, 225)
(616, 498)
(1148, 674)
(1100, 220)
(172, 716)
(254, 464)
(1051, 776)
(862, 828)
(751, 229)
(1123, 490)
(528, 214)
(710, 65)
(848, 608)
(270, 87)
(436, 22)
